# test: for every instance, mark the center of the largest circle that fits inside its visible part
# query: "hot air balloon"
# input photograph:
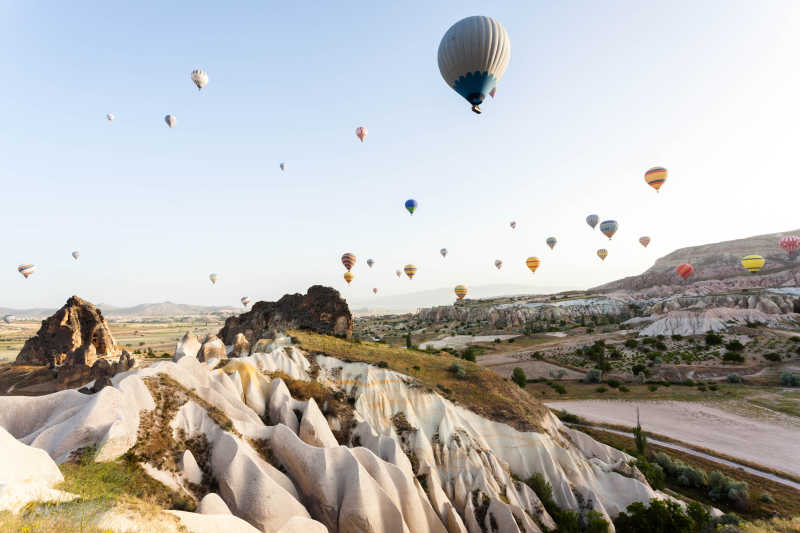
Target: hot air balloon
(348, 260)
(200, 78)
(370, 262)
(461, 291)
(592, 220)
(26, 270)
(685, 270)
(790, 243)
(375, 290)
(110, 117)
(533, 263)
(498, 264)
(170, 120)
(493, 92)
(76, 254)
(602, 253)
(644, 241)
(609, 228)
(411, 205)
(655, 177)
(410, 270)
(213, 277)
(551, 242)
(398, 272)
(443, 251)
(513, 224)
(361, 133)
(753, 263)
(473, 56)
(283, 166)
(245, 301)
(348, 277)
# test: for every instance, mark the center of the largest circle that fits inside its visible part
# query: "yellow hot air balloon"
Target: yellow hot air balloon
(602, 253)
(655, 177)
(461, 291)
(753, 263)
(410, 270)
(348, 277)
(533, 263)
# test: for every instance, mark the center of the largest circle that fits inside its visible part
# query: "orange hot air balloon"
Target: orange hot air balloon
(644, 241)
(348, 277)
(685, 270)
(532, 263)
(348, 260)
(410, 270)
(461, 291)
(602, 253)
(655, 177)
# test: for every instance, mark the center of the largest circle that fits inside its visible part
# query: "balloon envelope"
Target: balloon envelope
(110, 117)
(410, 270)
(461, 291)
(283, 166)
(644, 241)
(473, 55)
(361, 133)
(609, 228)
(398, 272)
(443, 251)
(348, 277)
(370, 262)
(213, 277)
(498, 264)
(602, 253)
(8, 319)
(655, 177)
(375, 290)
(170, 120)
(532, 263)
(76, 254)
(592, 220)
(790, 243)
(348, 260)
(245, 301)
(551, 242)
(753, 263)
(513, 224)
(200, 78)
(26, 270)
(685, 270)
(411, 205)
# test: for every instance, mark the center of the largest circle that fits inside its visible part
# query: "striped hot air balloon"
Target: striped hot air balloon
(361, 133)
(348, 260)
(644, 241)
(461, 291)
(685, 270)
(473, 55)
(609, 228)
(592, 220)
(411, 205)
(602, 253)
(348, 277)
(410, 270)
(200, 78)
(790, 243)
(753, 263)
(498, 264)
(370, 262)
(532, 263)
(655, 177)
(213, 277)
(26, 270)
(245, 301)
(551, 242)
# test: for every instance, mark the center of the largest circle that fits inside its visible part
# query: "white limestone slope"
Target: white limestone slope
(443, 469)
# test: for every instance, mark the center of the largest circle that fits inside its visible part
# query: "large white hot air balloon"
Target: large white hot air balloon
(200, 78)
(473, 56)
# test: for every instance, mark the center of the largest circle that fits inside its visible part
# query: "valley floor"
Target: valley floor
(772, 440)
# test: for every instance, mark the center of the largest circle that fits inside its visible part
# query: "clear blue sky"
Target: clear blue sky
(595, 93)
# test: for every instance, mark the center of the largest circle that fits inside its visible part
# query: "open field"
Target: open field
(773, 441)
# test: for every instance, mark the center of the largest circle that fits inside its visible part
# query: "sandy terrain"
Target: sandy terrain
(461, 341)
(774, 443)
(504, 364)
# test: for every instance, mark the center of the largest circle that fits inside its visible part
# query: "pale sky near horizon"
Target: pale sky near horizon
(595, 93)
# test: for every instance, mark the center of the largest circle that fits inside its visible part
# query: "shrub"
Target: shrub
(639, 368)
(613, 383)
(652, 471)
(676, 337)
(735, 345)
(772, 356)
(658, 516)
(631, 343)
(458, 370)
(518, 377)
(623, 388)
(713, 387)
(566, 520)
(701, 388)
(713, 339)
(510, 341)
(593, 376)
(601, 388)
(735, 378)
(766, 497)
(652, 387)
(734, 357)
(558, 387)
(564, 416)
(790, 380)
(722, 487)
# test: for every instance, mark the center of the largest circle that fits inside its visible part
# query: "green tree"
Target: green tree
(640, 436)
(659, 517)
(519, 377)
(408, 340)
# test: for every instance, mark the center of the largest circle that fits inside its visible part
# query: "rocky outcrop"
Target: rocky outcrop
(212, 348)
(321, 309)
(75, 335)
(188, 346)
(241, 346)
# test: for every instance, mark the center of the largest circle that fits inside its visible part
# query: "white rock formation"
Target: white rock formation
(212, 504)
(442, 471)
(191, 470)
(189, 345)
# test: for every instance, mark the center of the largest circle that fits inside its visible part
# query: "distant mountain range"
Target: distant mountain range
(151, 310)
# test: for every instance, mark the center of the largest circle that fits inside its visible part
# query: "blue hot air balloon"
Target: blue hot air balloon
(473, 55)
(411, 205)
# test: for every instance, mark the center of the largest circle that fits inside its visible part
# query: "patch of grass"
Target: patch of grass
(483, 391)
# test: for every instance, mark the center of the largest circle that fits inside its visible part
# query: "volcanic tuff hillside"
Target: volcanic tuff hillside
(717, 268)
